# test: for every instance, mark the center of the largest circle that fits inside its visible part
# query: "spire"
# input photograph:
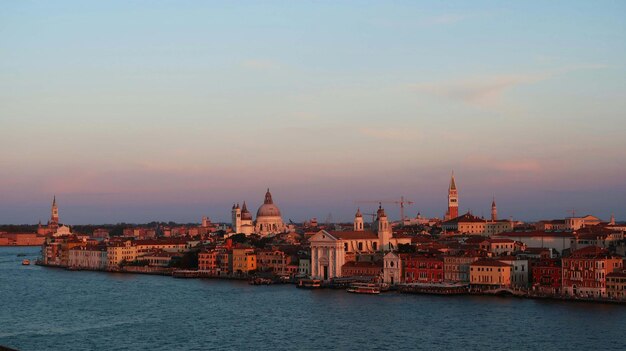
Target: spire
(244, 208)
(612, 221)
(452, 183)
(268, 197)
(54, 200)
(358, 213)
(493, 202)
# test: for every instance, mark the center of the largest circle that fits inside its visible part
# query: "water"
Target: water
(53, 309)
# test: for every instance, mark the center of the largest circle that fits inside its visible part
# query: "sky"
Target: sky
(171, 110)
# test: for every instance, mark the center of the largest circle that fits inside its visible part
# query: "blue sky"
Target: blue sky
(137, 111)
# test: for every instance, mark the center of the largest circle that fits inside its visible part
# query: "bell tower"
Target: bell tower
(383, 229)
(453, 200)
(494, 210)
(54, 216)
(358, 221)
(236, 218)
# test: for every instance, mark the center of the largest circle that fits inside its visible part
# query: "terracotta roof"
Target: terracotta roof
(535, 233)
(499, 241)
(354, 235)
(490, 263)
(467, 218)
(590, 252)
(168, 241)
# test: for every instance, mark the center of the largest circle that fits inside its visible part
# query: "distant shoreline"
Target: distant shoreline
(473, 293)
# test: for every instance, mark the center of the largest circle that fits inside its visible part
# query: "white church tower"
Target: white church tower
(383, 229)
(236, 219)
(358, 221)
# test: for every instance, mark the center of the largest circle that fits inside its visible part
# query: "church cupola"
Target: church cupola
(358, 221)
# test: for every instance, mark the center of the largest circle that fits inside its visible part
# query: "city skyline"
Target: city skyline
(176, 111)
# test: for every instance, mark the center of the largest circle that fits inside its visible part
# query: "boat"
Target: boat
(364, 288)
(309, 284)
(25, 262)
(260, 281)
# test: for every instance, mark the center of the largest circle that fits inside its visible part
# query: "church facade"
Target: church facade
(330, 250)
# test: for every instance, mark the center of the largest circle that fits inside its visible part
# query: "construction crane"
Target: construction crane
(402, 203)
(370, 214)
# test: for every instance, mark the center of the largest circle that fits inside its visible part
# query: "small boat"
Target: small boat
(309, 284)
(25, 262)
(260, 281)
(364, 288)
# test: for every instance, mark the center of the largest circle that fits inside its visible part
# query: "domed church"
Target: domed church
(268, 219)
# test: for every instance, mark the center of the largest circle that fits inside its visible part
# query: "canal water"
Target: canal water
(53, 309)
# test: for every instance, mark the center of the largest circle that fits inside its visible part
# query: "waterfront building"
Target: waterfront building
(490, 274)
(585, 271)
(547, 276)
(273, 261)
(520, 271)
(164, 244)
(362, 269)
(119, 252)
(225, 262)
(330, 250)
(457, 268)
(559, 241)
(453, 200)
(159, 258)
(304, 266)
(21, 239)
(244, 260)
(392, 269)
(91, 257)
(616, 285)
(419, 268)
(208, 261)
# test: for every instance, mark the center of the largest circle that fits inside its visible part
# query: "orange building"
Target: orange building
(490, 274)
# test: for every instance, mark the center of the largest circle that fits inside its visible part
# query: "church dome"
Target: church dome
(268, 209)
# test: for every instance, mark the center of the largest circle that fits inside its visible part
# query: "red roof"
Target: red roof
(490, 263)
(354, 235)
(535, 233)
(590, 252)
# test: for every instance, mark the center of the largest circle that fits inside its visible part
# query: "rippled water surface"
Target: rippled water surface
(53, 309)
